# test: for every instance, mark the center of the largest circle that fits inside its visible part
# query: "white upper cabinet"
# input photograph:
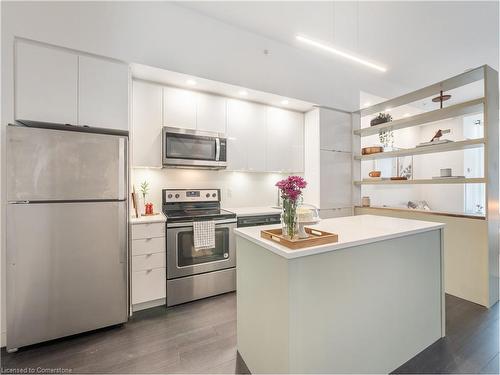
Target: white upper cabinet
(257, 137)
(211, 113)
(103, 93)
(246, 134)
(297, 125)
(237, 132)
(285, 137)
(335, 130)
(146, 124)
(179, 108)
(46, 84)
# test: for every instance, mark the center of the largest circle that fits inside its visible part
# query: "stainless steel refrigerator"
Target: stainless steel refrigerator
(67, 230)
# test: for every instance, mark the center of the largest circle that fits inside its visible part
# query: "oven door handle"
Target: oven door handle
(190, 223)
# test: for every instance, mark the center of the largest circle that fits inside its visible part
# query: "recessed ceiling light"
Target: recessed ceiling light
(387, 109)
(284, 102)
(243, 93)
(367, 104)
(406, 115)
(191, 82)
(340, 53)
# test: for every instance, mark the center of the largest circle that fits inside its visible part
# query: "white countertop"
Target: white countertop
(160, 218)
(352, 231)
(253, 211)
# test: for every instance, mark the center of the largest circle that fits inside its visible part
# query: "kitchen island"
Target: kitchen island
(365, 304)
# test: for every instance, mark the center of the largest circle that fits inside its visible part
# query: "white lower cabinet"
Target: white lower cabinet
(148, 262)
(148, 265)
(148, 285)
(145, 246)
(148, 230)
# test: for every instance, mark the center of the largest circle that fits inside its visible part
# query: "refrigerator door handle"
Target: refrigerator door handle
(123, 233)
(123, 167)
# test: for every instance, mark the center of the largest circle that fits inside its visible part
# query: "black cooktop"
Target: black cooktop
(197, 214)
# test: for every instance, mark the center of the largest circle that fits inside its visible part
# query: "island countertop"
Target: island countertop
(352, 231)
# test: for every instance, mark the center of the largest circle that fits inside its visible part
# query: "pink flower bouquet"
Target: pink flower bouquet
(291, 191)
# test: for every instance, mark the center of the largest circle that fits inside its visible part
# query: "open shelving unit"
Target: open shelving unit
(471, 245)
(474, 106)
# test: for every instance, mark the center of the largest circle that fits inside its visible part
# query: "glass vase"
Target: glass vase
(289, 218)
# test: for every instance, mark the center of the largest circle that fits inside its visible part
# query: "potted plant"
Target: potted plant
(381, 119)
(291, 193)
(144, 192)
(386, 138)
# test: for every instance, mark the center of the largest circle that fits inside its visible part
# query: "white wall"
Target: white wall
(239, 189)
(164, 35)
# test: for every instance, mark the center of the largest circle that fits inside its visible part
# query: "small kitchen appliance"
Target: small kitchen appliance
(184, 148)
(192, 273)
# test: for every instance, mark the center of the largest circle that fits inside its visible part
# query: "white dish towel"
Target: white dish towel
(204, 235)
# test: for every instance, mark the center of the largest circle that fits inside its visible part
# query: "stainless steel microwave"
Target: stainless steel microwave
(185, 148)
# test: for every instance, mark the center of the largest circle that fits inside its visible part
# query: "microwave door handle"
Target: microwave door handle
(217, 149)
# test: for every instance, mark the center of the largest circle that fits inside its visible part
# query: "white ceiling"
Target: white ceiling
(419, 42)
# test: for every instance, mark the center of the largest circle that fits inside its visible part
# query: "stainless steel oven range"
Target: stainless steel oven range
(195, 274)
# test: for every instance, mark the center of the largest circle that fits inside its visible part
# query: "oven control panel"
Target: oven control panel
(178, 195)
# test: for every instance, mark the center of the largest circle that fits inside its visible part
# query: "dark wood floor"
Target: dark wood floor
(200, 337)
(471, 344)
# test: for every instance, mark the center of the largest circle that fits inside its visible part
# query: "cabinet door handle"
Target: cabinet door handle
(148, 255)
(148, 271)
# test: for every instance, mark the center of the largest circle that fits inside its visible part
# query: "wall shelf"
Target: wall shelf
(444, 147)
(469, 107)
(460, 80)
(429, 181)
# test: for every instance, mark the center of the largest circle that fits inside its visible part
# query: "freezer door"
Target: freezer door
(48, 165)
(66, 269)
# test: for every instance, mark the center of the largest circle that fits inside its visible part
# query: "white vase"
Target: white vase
(142, 206)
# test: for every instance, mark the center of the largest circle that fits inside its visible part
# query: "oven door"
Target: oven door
(183, 260)
(192, 148)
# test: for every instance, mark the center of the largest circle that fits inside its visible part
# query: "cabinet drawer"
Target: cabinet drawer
(148, 285)
(148, 261)
(148, 230)
(148, 245)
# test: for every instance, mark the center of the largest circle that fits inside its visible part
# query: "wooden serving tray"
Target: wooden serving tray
(318, 237)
